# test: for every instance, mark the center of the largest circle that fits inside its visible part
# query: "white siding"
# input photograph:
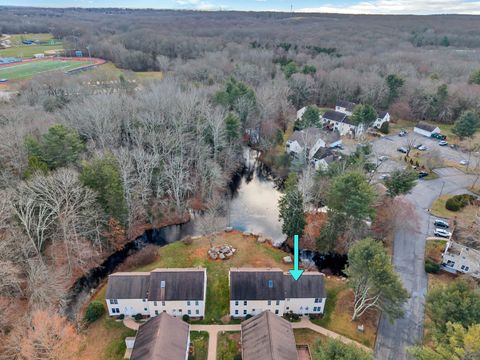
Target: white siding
(177, 308)
(422, 132)
(305, 306)
(294, 147)
(255, 307)
(128, 307)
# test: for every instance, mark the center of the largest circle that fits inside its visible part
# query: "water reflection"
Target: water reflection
(254, 203)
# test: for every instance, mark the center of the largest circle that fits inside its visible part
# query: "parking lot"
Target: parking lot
(388, 146)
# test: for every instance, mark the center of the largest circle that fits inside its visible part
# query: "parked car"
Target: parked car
(422, 148)
(438, 136)
(422, 174)
(402, 150)
(441, 223)
(383, 158)
(463, 162)
(3, 80)
(442, 233)
(402, 132)
(443, 143)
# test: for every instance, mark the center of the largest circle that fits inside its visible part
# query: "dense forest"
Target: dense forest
(87, 162)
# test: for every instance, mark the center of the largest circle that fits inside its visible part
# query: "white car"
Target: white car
(422, 148)
(463, 162)
(442, 233)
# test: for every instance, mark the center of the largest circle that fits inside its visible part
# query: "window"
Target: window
(462, 267)
(179, 310)
(244, 312)
(189, 312)
(196, 303)
(113, 301)
(154, 303)
(163, 303)
(245, 303)
(197, 312)
(236, 303)
(188, 303)
(288, 308)
(253, 310)
(318, 301)
(270, 284)
(145, 309)
(276, 312)
(144, 300)
(115, 311)
(450, 263)
(278, 302)
(269, 302)
(466, 268)
(306, 308)
(156, 312)
(236, 312)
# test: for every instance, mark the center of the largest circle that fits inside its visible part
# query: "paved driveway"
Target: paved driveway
(408, 259)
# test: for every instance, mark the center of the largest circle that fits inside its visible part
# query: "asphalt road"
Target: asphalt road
(408, 258)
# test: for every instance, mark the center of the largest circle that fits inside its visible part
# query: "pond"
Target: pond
(253, 205)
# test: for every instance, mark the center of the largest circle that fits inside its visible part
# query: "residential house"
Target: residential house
(383, 116)
(323, 158)
(254, 290)
(161, 338)
(306, 142)
(345, 107)
(268, 337)
(338, 121)
(462, 259)
(425, 129)
(176, 292)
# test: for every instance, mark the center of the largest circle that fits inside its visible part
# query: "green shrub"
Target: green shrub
(248, 316)
(95, 311)
(431, 266)
(121, 316)
(385, 127)
(186, 318)
(138, 317)
(458, 202)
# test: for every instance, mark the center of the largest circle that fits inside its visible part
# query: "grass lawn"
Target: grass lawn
(23, 71)
(199, 340)
(395, 127)
(27, 51)
(439, 209)
(338, 312)
(307, 337)
(228, 345)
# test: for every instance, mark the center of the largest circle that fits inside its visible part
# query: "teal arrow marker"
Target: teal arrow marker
(296, 273)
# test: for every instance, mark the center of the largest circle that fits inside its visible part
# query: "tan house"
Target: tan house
(161, 338)
(268, 337)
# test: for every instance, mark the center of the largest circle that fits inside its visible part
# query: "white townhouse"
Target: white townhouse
(339, 121)
(309, 140)
(254, 290)
(462, 259)
(345, 107)
(176, 291)
(383, 117)
(161, 338)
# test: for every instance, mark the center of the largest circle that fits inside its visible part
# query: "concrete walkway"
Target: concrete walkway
(130, 323)
(213, 331)
(304, 323)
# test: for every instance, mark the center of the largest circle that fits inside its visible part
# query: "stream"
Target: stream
(251, 206)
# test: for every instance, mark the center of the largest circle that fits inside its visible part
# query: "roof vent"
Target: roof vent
(162, 284)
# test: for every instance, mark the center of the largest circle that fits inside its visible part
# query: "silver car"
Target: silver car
(442, 233)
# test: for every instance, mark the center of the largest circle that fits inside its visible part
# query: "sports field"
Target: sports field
(26, 70)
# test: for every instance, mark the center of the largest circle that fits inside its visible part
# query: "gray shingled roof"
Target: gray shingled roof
(254, 285)
(334, 116)
(322, 153)
(268, 337)
(310, 285)
(128, 286)
(179, 285)
(308, 135)
(161, 338)
(346, 104)
(382, 114)
(251, 284)
(425, 126)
